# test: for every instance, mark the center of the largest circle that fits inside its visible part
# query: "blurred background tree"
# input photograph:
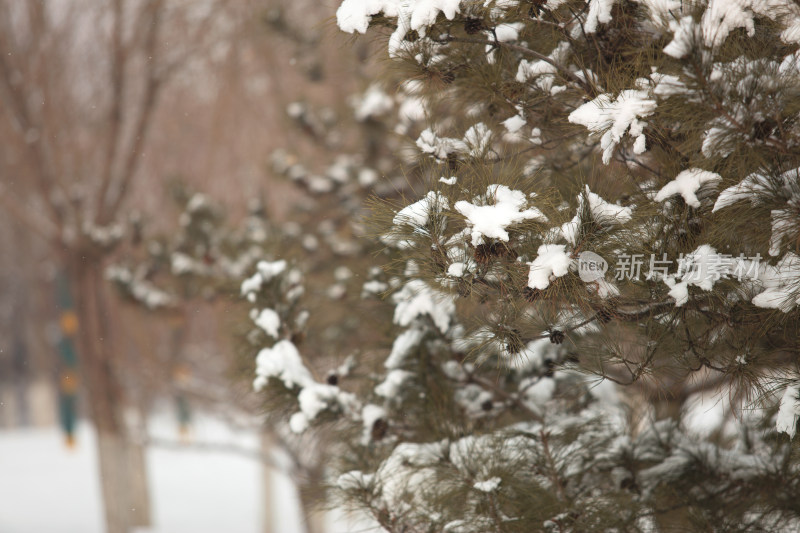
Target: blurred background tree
(102, 102)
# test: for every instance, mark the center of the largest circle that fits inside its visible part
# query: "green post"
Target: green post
(68, 365)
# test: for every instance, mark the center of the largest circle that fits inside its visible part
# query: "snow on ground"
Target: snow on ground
(47, 488)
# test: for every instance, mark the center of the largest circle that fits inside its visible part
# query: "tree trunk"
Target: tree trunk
(310, 501)
(122, 468)
(139, 489)
(113, 458)
(266, 477)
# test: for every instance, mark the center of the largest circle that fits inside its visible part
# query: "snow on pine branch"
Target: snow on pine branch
(759, 189)
(490, 216)
(789, 411)
(282, 361)
(601, 212)
(476, 142)
(411, 15)
(614, 118)
(686, 184)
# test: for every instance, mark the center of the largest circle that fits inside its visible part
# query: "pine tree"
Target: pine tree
(606, 238)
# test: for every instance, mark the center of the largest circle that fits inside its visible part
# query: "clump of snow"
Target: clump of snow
(412, 109)
(374, 103)
(605, 212)
(543, 72)
(411, 269)
(677, 290)
(508, 32)
(454, 370)
(534, 355)
(416, 299)
(789, 412)
(784, 223)
(687, 183)
(373, 287)
(448, 181)
(104, 236)
(283, 362)
(411, 15)
(780, 283)
(514, 130)
(599, 13)
(701, 268)
(439, 147)
(721, 17)
(614, 118)
(477, 139)
(370, 414)
(685, 33)
(791, 34)
(266, 270)
(664, 85)
(504, 33)
(704, 413)
(748, 189)
(601, 211)
(473, 399)
(313, 399)
(552, 261)
(182, 264)
(367, 177)
(402, 347)
(514, 124)
(139, 288)
(269, 321)
(390, 387)
(491, 220)
(456, 270)
(490, 485)
(354, 15)
(342, 273)
(418, 214)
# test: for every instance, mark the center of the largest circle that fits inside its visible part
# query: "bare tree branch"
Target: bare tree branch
(153, 85)
(23, 123)
(115, 114)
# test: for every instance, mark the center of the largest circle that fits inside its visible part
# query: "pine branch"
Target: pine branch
(565, 72)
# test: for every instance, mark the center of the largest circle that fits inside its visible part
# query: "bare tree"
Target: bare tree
(80, 83)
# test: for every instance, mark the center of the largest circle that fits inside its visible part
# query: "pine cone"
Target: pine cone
(379, 429)
(474, 25)
(556, 336)
(483, 254)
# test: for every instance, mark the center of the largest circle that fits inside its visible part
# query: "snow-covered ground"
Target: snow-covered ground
(48, 488)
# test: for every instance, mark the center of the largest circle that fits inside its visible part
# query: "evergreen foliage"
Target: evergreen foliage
(522, 393)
